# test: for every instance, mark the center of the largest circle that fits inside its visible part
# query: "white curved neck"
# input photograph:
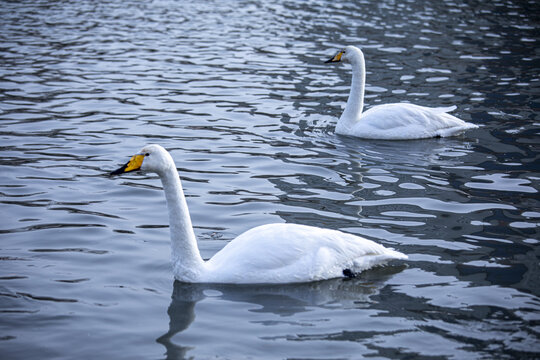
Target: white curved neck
(355, 104)
(186, 258)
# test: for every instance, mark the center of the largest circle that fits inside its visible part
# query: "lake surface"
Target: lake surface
(239, 93)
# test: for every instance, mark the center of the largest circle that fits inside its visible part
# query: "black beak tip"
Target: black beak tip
(118, 171)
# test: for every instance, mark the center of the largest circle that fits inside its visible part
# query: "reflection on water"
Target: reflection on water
(240, 95)
(276, 307)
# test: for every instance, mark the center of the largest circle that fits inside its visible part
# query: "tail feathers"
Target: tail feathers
(396, 255)
(446, 109)
(372, 260)
(456, 130)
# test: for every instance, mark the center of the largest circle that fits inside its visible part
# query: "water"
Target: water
(240, 95)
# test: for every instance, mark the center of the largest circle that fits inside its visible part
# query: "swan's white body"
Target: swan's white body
(274, 253)
(401, 121)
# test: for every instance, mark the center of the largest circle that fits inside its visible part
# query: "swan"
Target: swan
(273, 253)
(400, 121)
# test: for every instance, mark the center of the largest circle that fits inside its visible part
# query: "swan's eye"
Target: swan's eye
(147, 154)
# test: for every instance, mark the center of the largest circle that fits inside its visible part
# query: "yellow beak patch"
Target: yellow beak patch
(133, 164)
(337, 57)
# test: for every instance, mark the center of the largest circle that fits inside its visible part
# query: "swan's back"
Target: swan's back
(284, 253)
(404, 121)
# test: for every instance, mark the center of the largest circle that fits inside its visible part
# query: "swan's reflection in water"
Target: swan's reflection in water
(282, 300)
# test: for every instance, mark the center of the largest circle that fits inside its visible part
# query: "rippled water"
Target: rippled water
(240, 95)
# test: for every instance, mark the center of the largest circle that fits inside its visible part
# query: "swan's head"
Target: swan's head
(349, 54)
(151, 158)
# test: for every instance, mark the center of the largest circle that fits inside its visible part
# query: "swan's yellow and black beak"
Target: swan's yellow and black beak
(133, 164)
(337, 57)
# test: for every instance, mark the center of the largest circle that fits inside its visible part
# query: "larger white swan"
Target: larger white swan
(399, 121)
(274, 253)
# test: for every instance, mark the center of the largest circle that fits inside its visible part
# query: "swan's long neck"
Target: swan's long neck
(186, 257)
(355, 104)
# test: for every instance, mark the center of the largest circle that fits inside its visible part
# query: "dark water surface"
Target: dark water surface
(239, 93)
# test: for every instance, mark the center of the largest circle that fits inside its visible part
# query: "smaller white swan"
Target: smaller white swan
(274, 253)
(400, 121)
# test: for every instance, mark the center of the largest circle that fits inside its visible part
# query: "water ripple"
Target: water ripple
(435, 205)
